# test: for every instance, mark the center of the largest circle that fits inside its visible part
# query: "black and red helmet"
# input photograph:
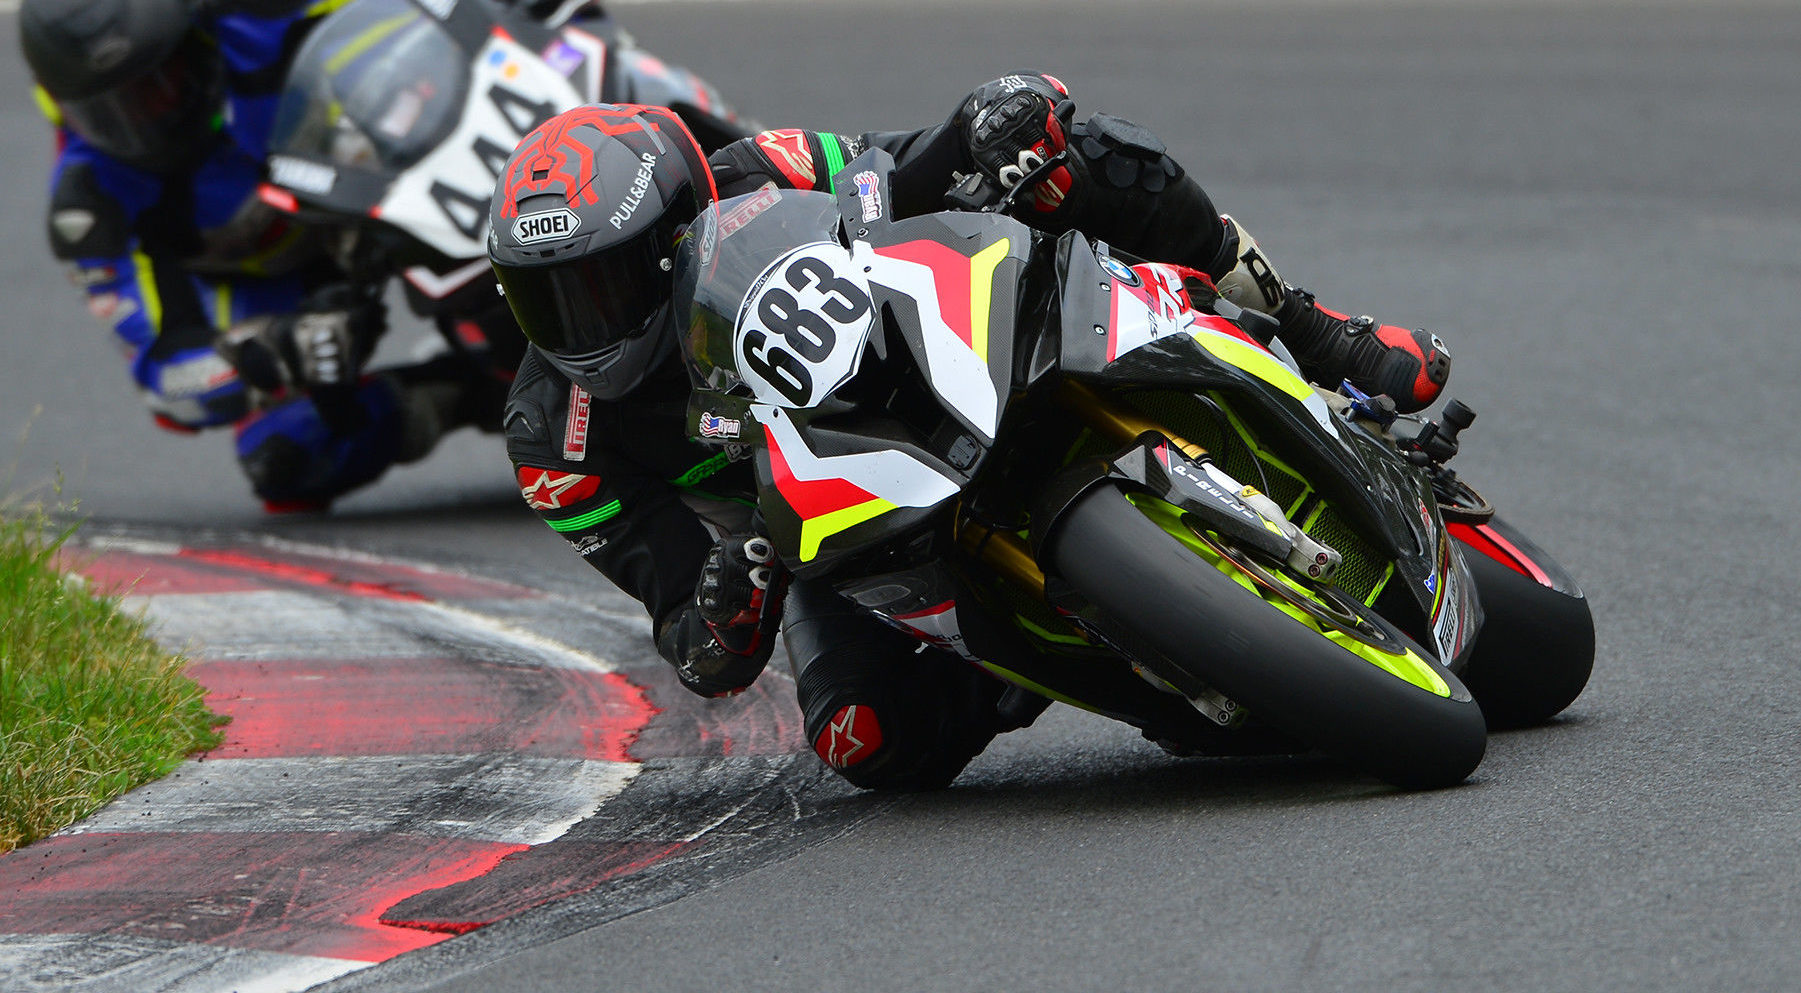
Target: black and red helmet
(582, 237)
(133, 77)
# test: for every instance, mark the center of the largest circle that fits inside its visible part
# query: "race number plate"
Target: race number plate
(802, 327)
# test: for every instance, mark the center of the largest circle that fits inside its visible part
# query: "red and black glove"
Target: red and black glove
(1012, 125)
(720, 645)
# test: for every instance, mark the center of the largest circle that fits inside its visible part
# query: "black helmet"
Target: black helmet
(130, 76)
(582, 236)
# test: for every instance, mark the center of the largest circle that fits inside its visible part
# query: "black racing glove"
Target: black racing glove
(321, 346)
(720, 645)
(1012, 125)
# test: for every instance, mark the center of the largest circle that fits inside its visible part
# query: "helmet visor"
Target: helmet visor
(155, 119)
(592, 302)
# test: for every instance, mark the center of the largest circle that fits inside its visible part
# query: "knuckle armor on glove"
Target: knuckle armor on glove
(321, 346)
(1015, 124)
(721, 644)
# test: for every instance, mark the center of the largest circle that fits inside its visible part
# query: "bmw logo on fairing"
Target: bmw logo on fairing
(1117, 269)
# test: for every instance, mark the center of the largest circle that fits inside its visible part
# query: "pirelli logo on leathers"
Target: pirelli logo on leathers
(575, 433)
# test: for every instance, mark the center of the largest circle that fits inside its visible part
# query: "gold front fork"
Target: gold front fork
(1007, 553)
(1122, 425)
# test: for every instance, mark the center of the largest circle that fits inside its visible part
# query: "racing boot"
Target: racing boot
(1411, 367)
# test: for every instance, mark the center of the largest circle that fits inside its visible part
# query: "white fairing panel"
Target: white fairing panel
(443, 200)
(895, 477)
(959, 374)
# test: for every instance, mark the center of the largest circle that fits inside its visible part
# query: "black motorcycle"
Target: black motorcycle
(1028, 451)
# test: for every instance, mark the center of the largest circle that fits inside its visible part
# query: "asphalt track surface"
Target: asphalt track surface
(1595, 203)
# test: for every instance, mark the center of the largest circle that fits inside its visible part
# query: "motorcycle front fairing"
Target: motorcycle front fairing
(1117, 332)
(869, 365)
(401, 115)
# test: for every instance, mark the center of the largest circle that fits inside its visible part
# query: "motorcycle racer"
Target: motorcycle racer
(582, 236)
(229, 313)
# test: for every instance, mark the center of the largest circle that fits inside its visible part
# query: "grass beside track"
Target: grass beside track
(90, 706)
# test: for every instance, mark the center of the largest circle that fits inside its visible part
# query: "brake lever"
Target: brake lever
(978, 193)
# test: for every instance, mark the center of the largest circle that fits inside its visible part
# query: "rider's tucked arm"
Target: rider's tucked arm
(143, 295)
(1122, 187)
(807, 160)
(631, 526)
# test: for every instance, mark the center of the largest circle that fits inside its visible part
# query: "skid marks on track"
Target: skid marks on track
(409, 759)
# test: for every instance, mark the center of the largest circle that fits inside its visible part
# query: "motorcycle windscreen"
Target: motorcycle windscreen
(745, 247)
(376, 87)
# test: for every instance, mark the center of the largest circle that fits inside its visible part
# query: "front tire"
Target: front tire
(1149, 587)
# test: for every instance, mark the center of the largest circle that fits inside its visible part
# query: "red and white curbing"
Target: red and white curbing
(399, 759)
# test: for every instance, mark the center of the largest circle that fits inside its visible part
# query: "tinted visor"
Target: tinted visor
(584, 304)
(159, 119)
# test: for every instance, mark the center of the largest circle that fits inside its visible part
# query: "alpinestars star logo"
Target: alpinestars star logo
(852, 737)
(545, 489)
(788, 151)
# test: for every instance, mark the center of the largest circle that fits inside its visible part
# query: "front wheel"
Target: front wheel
(1328, 672)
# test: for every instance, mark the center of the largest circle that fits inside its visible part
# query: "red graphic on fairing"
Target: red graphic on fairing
(790, 153)
(1160, 304)
(832, 494)
(547, 489)
(953, 278)
(1490, 542)
(853, 735)
(813, 498)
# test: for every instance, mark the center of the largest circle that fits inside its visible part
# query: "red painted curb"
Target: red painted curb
(398, 706)
(365, 894)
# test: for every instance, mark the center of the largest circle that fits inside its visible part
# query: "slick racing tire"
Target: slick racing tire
(1537, 645)
(1332, 673)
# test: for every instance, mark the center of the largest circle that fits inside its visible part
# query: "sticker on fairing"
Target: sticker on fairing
(1449, 613)
(1117, 269)
(443, 199)
(936, 626)
(802, 327)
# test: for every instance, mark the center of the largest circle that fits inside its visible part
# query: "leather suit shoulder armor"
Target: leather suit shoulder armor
(536, 396)
(84, 221)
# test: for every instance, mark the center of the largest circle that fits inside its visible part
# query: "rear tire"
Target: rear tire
(1536, 649)
(1154, 591)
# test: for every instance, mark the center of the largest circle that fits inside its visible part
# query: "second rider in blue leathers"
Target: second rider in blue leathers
(229, 314)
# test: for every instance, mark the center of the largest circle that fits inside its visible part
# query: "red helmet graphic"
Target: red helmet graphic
(582, 238)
